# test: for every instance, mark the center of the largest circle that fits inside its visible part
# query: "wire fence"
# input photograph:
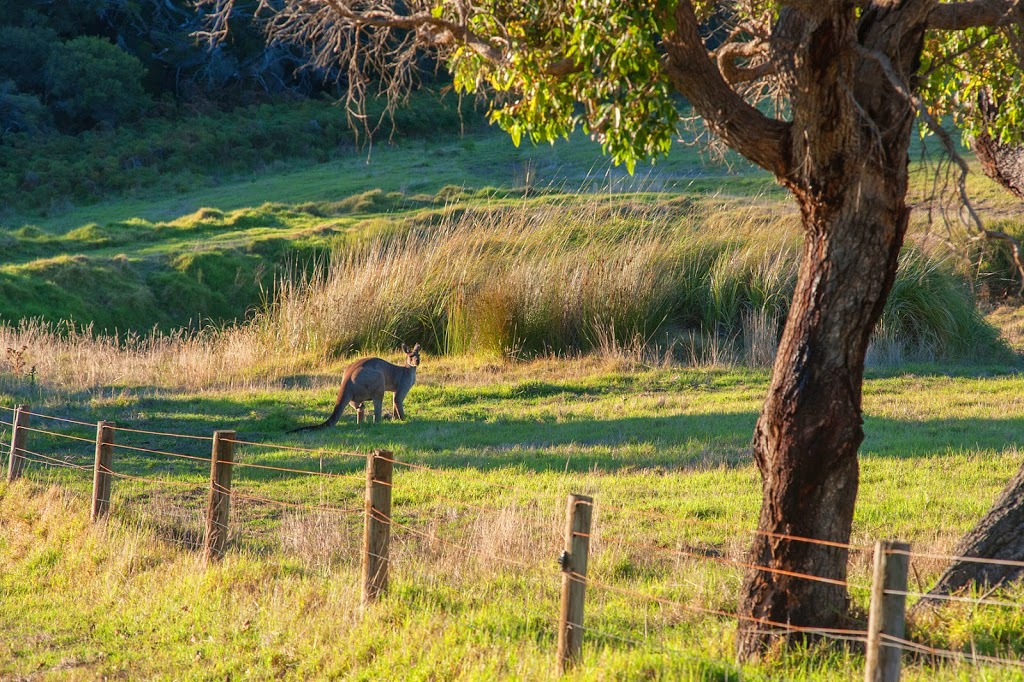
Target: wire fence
(321, 517)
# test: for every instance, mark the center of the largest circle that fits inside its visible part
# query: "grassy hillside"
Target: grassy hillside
(664, 453)
(585, 331)
(208, 252)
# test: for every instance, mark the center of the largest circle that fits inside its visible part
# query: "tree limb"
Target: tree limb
(727, 55)
(957, 16)
(763, 140)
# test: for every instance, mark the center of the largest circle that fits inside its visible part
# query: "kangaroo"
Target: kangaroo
(367, 379)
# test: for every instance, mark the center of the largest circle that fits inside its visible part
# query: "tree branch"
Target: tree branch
(957, 16)
(975, 226)
(734, 74)
(763, 140)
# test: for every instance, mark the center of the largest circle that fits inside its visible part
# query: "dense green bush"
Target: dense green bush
(90, 80)
(21, 112)
(25, 54)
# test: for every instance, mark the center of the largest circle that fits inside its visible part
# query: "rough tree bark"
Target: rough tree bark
(1001, 162)
(1004, 163)
(998, 535)
(851, 188)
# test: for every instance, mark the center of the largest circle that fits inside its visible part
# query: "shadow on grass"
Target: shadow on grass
(479, 436)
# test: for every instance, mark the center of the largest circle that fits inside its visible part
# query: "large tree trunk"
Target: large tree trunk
(849, 76)
(998, 535)
(807, 437)
(851, 187)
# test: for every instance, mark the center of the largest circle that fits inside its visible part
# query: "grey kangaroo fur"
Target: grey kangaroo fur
(367, 379)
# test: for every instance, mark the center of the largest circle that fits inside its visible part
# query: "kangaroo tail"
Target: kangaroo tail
(330, 421)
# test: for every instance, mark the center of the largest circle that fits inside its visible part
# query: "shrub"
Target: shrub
(25, 54)
(90, 80)
(21, 112)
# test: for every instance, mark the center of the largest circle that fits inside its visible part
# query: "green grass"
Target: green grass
(664, 452)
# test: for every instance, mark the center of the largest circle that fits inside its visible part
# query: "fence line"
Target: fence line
(434, 538)
(53, 459)
(953, 557)
(446, 472)
(730, 562)
(161, 433)
(313, 507)
(955, 598)
(56, 463)
(68, 436)
(887, 640)
(705, 522)
(294, 448)
(158, 481)
(325, 474)
(959, 656)
(60, 419)
(783, 627)
(121, 446)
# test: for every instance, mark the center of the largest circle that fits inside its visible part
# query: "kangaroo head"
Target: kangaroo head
(412, 355)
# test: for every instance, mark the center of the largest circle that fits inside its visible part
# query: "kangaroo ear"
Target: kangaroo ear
(415, 348)
(405, 348)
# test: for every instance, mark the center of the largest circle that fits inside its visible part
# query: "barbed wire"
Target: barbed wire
(647, 644)
(730, 562)
(60, 419)
(957, 598)
(54, 459)
(312, 507)
(600, 505)
(54, 463)
(445, 472)
(894, 642)
(785, 627)
(384, 518)
(59, 434)
(135, 448)
(951, 557)
(294, 448)
(325, 474)
(161, 433)
(158, 481)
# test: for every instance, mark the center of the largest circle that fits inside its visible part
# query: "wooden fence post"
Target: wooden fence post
(574, 573)
(219, 507)
(16, 461)
(888, 611)
(377, 526)
(101, 470)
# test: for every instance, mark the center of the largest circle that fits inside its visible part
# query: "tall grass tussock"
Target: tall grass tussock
(580, 274)
(630, 277)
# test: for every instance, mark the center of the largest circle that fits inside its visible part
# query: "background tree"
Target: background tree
(846, 76)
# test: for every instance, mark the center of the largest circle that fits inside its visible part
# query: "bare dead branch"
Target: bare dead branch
(974, 224)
